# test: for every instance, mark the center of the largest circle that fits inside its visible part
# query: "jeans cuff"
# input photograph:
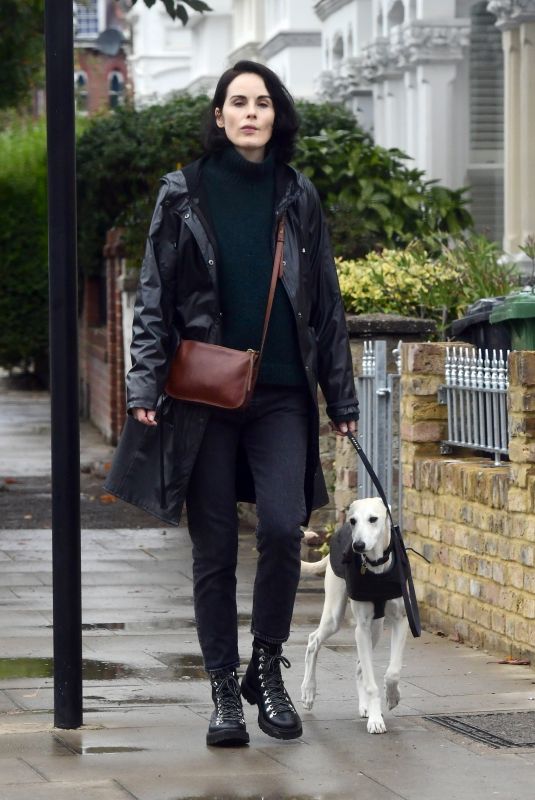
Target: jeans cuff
(269, 639)
(224, 668)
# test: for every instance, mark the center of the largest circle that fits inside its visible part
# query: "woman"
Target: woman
(206, 276)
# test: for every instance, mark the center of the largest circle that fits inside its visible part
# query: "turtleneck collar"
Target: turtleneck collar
(239, 168)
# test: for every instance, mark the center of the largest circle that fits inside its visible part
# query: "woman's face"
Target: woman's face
(247, 115)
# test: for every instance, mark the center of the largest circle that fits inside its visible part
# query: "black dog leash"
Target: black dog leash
(402, 559)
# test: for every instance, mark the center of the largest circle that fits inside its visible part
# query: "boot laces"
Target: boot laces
(272, 684)
(227, 698)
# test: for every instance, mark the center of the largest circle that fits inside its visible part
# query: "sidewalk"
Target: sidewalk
(147, 701)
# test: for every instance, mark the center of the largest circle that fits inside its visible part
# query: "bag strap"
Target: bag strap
(276, 273)
(402, 559)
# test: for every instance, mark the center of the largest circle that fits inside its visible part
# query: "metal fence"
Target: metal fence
(476, 396)
(379, 395)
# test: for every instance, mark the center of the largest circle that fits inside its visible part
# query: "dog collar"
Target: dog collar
(376, 562)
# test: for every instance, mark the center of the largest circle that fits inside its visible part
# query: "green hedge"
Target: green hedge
(23, 243)
(372, 198)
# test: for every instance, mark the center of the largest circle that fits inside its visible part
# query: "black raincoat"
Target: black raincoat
(178, 297)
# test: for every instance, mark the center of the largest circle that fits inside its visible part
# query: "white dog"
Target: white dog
(364, 541)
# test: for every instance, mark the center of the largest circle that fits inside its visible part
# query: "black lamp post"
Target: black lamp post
(66, 566)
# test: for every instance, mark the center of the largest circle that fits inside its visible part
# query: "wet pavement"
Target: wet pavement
(146, 699)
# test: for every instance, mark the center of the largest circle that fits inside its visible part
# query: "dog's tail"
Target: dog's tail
(314, 567)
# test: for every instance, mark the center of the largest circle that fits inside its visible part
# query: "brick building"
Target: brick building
(100, 67)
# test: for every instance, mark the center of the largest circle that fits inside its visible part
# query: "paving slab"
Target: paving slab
(61, 790)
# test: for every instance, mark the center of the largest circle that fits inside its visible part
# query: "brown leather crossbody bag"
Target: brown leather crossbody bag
(221, 376)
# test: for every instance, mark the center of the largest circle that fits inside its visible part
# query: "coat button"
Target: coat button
(303, 249)
(186, 216)
(211, 262)
(284, 263)
(299, 314)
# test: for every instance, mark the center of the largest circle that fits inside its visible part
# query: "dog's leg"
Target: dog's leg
(331, 619)
(400, 628)
(376, 631)
(363, 612)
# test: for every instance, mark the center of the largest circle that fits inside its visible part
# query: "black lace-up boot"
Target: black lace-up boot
(263, 685)
(227, 724)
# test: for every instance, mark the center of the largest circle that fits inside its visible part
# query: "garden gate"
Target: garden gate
(379, 424)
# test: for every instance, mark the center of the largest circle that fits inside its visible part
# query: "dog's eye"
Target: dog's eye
(352, 521)
(373, 519)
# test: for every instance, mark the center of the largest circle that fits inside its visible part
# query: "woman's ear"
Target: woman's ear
(219, 118)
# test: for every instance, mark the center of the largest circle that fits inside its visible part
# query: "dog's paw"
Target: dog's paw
(308, 694)
(376, 725)
(392, 694)
(363, 710)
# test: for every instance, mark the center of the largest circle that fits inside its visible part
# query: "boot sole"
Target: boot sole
(264, 724)
(227, 738)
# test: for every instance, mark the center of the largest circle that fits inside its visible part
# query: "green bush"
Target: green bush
(372, 198)
(23, 243)
(436, 280)
(120, 157)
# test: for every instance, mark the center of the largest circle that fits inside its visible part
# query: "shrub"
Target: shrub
(372, 198)
(120, 157)
(414, 282)
(23, 243)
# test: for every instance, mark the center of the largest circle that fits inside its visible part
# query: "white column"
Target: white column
(436, 113)
(412, 120)
(527, 128)
(512, 159)
(394, 113)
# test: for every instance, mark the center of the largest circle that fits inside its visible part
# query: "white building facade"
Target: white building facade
(446, 81)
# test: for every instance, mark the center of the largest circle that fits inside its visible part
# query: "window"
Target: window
(338, 51)
(115, 88)
(81, 93)
(396, 15)
(86, 19)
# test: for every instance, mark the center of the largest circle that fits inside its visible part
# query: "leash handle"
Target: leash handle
(404, 566)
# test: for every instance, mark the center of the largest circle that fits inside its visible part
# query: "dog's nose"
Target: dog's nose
(358, 547)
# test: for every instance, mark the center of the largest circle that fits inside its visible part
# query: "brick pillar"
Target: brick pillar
(423, 426)
(521, 410)
(114, 253)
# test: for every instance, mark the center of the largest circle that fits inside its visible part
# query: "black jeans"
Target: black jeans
(273, 434)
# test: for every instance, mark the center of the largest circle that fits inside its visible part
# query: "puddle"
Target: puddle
(44, 668)
(174, 667)
(164, 624)
(137, 701)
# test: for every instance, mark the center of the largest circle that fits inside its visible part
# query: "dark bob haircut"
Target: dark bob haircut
(286, 124)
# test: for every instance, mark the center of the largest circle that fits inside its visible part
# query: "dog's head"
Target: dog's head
(369, 525)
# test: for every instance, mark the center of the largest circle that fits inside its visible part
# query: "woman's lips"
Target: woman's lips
(249, 129)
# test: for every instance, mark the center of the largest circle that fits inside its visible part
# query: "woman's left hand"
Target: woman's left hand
(342, 428)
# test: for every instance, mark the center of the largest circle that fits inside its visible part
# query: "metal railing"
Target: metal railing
(379, 395)
(475, 393)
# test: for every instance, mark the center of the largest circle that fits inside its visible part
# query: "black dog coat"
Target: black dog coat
(362, 584)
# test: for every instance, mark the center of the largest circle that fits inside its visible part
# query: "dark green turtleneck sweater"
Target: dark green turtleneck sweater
(241, 197)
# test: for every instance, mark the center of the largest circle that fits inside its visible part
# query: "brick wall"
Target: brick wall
(474, 521)
(101, 346)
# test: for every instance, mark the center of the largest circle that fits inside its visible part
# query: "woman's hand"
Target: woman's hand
(342, 428)
(144, 415)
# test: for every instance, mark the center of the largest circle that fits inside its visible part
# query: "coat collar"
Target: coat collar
(184, 186)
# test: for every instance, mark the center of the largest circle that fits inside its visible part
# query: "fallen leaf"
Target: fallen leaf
(28, 516)
(10, 480)
(107, 498)
(516, 662)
